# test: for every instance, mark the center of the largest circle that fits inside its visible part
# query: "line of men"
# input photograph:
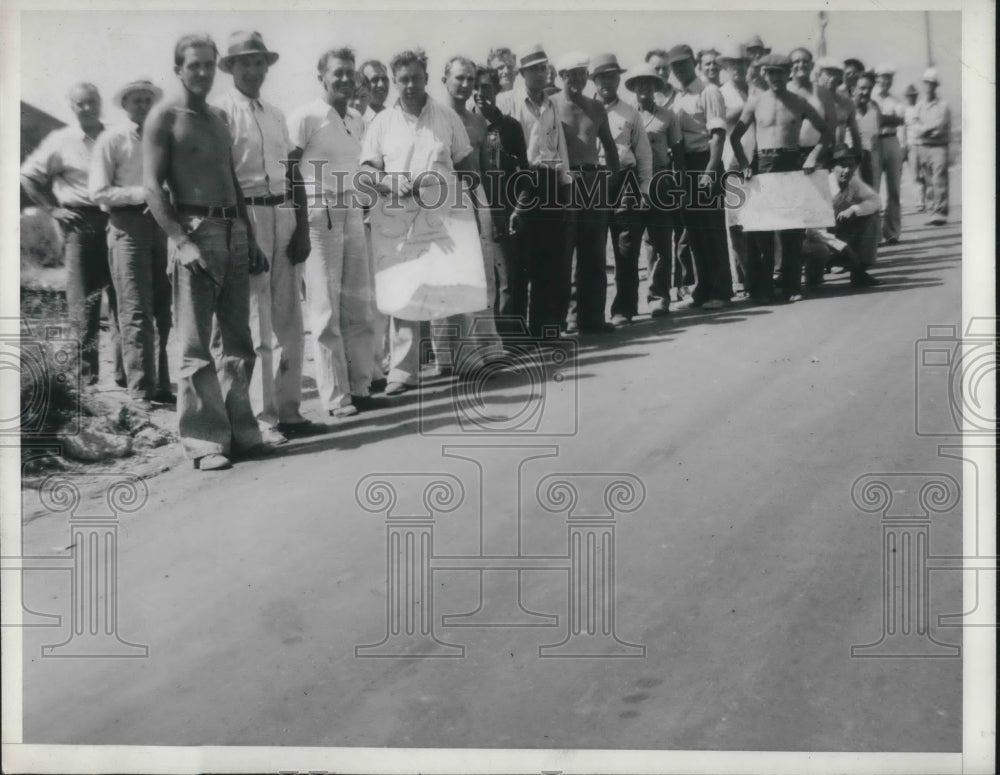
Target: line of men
(236, 208)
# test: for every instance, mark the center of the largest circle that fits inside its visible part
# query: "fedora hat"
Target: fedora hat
(756, 42)
(532, 55)
(644, 70)
(829, 63)
(734, 52)
(242, 44)
(574, 60)
(139, 85)
(604, 63)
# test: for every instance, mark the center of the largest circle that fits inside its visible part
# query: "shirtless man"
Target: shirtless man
(828, 79)
(585, 123)
(212, 253)
(778, 114)
(817, 96)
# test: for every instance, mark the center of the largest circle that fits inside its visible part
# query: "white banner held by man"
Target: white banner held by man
(785, 200)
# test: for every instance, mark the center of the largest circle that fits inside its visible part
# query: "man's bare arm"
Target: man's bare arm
(826, 140)
(157, 139)
(736, 136)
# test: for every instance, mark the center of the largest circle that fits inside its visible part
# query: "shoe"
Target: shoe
(273, 436)
(263, 449)
(937, 220)
(395, 388)
(892, 240)
(378, 385)
(863, 280)
(213, 462)
(715, 304)
(790, 297)
(621, 320)
(349, 410)
(165, 397)
(659, 309)
(300, 428)
(368, 403)
(599, 328)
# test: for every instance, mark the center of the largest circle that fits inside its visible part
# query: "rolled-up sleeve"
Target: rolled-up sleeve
(715, 108)
(44, 163)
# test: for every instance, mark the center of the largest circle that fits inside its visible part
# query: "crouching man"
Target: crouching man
(857, 207)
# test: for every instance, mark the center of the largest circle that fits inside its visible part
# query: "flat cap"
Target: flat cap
(829, 63)
(775, 62)
(680, 53)
(843, 154)
(885, 70)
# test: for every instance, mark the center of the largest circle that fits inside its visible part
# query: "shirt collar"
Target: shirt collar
(697, 86)
(398, 105)
(246, 101)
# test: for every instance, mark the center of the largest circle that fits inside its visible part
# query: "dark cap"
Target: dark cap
(775, 62)
(854, 63)
(843, 154)
(680, 53)
(911, 89)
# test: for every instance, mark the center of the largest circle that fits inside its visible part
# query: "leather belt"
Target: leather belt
(213, 211)
(129, 209)
(272, 200)
(777, 151)
(586, 167)
(85, 209)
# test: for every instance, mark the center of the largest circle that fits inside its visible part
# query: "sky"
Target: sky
(109, 48)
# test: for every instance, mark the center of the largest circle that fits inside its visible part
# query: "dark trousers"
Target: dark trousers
(541, 247)
(683, 262)
(510, 302)
(582, 300)
(760, 244)
(706, 228)
(88, 275)
(627, 226)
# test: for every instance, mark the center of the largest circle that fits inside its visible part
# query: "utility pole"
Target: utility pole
(821, 49)
(927, 30)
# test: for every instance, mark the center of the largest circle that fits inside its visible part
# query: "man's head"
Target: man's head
(735, 60)
(755, 48)
(533, 65)
(378, 82)
(911, 94)
(930, 82)
(362, 93)
(409, 73)
(574, 69)
(550, 79)
(681, 59)
(844, 164)
(486, 89)
(194, 63)
(85, 102)
(708, 61)
(657, 59)
(247, 60)
(336, 74)
(606, 74)
(502, 60)
(644, 82)
(802, 65)
(136, 98)
(829, 73)
(459, 78)
(853, 68)
(775, 69)
(863, 89)
(884, 75)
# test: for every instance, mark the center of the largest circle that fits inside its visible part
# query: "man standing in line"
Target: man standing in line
(657, 59)
(378, 82)
(260, 146)
(327, 136)
(630, 195)
(735, 93)
(538, 221)
(911, 146)
(869, 119)
(192, 190)
(55, 176)
(137, 248)
(663, 133)
(853, 68)
(583, 292)
(933, 129)
(702, 114)
(893, 116)
(817, 96)
(778, 114)
(505, 154)
(756, 50)
(708, 66)
(828, 79)
(505, 63)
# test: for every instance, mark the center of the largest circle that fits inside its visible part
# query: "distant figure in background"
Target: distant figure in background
(853, 68)
(550, 84)
(56, 178)
(502, 60)
(362, 94)
(377, 77)
(828, 77)
(708, 66)
(893, 116)
(933, 128)
(911, 146)
(137, 248)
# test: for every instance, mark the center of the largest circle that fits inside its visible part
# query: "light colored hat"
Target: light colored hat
(931, 74)
(885, 70)
(756, 42)
(645, 70)
(243, 44)
(604, 63)
(733, 52)
(574, 60)
(140, 85)
(532, 55)
(829, 63)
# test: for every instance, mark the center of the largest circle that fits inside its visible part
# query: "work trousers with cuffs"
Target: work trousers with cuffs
(760, 244)
(705, 224)
(583, 283)
(890, 165)
(862, 237)
(934, 170)
(276, 320)
(88, 275)
(339, 296)
(213, 395)
(137, 250)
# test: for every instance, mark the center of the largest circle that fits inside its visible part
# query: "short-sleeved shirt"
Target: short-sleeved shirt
(543, 132)
(116, 168)
(701, 110)
(401, 142)
(856, 192)
(330, 145)
(733, 99)
(934, 115)
(663, 132)
(260, 143)
(868, 125)
(62, 162)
